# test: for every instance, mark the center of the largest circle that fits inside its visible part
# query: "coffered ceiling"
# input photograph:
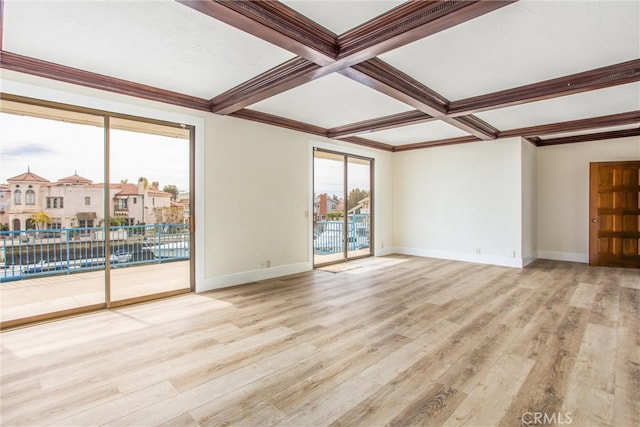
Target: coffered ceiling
(386, 74)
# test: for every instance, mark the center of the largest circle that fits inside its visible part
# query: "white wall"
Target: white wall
(253, 190)
(529, 202)
(460, 202)
(563, 194)
(252, 184)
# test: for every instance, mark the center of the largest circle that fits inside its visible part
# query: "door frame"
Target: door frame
(101, 108)
(346, 155)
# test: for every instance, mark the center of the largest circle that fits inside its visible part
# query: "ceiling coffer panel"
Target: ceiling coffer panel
(390, 75)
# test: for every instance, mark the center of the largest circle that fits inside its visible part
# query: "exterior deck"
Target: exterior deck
(65, 292)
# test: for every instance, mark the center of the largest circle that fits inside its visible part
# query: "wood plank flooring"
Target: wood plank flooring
(397, 341)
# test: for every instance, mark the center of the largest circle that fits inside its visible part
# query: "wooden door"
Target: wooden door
(614, 230)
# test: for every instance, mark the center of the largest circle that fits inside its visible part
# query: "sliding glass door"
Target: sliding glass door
(95, 210)
(51, 198)
(342, 214)
(149, 230)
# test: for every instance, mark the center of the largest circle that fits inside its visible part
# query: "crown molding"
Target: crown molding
(40, 68)
(599, 78)
(380, 123)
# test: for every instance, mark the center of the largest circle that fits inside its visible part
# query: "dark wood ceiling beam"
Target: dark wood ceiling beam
(378, 124)
(620, 119)
(541, 142)
(534, 134)
(473, 125)
(275, 23)
(369, 143)
(407, 23)
(270, 119)
(384, 78)
(49, 70)
(623, 73)
(437, 143)
(291, 74)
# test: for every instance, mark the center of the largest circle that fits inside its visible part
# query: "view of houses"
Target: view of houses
(29, 201)
(326, 208)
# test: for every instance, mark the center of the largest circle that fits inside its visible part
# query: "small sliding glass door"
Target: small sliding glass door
(342, 207)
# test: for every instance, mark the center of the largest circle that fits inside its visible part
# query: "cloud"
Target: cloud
(24, 150)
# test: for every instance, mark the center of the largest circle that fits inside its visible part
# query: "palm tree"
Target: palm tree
(145, 182)
(40, 218)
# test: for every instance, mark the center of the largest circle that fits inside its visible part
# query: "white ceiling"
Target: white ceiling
(525, 42)
(164, 44)
(602, 102)
(331, 101)
(428, 131)
(351, 13)
(158, 43)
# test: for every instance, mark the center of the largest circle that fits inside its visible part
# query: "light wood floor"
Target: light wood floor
(397, 341)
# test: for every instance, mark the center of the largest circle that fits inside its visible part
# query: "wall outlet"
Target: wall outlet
(381, 244)
(267, 263)
(478, 251)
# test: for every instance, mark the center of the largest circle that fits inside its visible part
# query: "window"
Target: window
(17, 197)
(55, 224)
(135, 200)
(30, 197)
(121, 204)
(87, 201)
(55, 202)
(88, 223)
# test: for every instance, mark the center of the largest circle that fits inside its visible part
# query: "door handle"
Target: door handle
(594, 220)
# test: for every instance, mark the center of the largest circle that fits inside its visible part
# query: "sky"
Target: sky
(329, 175)
(55, 149)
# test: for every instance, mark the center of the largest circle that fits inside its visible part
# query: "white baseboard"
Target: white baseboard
(385, 251)
(252, 276)
(564, 256)
(462, 256)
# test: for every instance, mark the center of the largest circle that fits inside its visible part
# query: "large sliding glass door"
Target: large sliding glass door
(149, 235)
(343, 200)
(51, 199)
(95, 210)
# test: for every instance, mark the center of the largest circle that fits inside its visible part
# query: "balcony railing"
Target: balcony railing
(328, 236)
(30, 253)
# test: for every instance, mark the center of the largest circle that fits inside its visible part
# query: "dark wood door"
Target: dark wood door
(614, 230)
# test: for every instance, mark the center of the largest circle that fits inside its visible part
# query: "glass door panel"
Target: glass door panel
(328, 207)
(149, 224)
(358, 207)
(51, 207)
(342, 207)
